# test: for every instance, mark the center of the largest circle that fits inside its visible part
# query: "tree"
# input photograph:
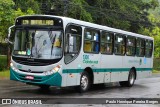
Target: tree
(6, 17)
(77, 10)
(72, 8)
(128, 15)
(153, 32)
(24, 5)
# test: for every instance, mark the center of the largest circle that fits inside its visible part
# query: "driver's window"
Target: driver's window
(72, 42)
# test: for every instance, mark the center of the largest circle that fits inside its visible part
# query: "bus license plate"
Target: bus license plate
(29, 77)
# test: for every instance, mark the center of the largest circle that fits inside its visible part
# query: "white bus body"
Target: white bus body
(89, 57)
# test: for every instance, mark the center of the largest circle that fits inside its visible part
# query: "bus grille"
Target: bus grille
(35, 63)
(38, 72)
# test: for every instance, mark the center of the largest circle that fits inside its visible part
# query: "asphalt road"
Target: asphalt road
(143, 88)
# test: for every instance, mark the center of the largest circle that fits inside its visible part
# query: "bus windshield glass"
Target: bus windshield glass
(38, 44)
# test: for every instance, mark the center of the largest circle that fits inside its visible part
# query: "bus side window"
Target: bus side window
(148, 48)
(140, 47)
(130, 46)
(91, 41)
(119, 47)
(107, 42)
(87, 47)
(87, 42)
(96, 45)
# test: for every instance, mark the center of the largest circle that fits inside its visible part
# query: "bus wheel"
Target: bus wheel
(131, 79)
(85, 82)
(44, 87)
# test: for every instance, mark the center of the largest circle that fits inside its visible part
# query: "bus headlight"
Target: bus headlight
(14, 68)
(11, 64)
(54, 70)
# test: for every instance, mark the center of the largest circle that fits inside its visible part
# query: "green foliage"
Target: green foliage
(3, 62)
(154, 4)
(77, 11)
(19, 12)
(4, 74)
(6, 16)
(156, 65)
(24, 5)
(153, 32)
(130, 15)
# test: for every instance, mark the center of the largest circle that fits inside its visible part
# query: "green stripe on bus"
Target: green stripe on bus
(106, 70)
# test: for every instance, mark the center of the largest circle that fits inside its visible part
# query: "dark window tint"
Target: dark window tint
(140, 47)
(119, 47)
(130, 46)
(149, 48)
(107, 42)
(91, 41)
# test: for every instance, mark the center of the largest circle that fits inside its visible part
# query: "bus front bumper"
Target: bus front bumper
(52, 80)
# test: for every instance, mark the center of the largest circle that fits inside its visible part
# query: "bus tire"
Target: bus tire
(85, 82)
(44, 87)
(131, 79)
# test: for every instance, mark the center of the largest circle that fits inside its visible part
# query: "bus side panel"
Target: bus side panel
(145, 69)
(93, 61)
(128, 63)
(73, 71)
(95, 66)
(116, 68)
(111, 64)
(71, 74)
(64, 78)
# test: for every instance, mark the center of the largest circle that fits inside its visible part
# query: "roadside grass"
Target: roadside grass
(155, 71)
(4, 74)
(156, 65)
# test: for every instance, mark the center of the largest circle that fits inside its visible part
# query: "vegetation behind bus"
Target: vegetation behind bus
(139, 17)
(3, 62)
(126, 15)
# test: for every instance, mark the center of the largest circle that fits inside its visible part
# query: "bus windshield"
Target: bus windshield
(38, 44)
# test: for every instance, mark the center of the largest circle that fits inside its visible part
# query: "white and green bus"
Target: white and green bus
(59, 51)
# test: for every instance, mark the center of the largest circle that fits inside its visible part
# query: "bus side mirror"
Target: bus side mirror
(8, 41)
(10, 32)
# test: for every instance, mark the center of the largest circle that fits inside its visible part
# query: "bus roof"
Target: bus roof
(92, 25)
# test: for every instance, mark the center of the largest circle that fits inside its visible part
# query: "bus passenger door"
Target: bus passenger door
(72, 57)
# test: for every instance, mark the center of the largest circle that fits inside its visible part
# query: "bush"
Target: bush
(3, 48)
(3, 63)
(156, 64)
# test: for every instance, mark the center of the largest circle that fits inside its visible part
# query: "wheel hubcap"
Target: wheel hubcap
(84, 82)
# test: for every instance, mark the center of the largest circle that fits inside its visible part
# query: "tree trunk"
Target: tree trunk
(8, 56)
